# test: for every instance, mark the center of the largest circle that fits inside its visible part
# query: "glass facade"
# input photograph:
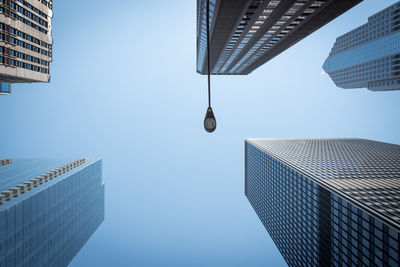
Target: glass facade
(48, 210)
(327, 202)
(368, 56)
(5, 88)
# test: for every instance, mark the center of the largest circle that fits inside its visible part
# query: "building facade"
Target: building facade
(244, 34)
(327, 202)
(369, 56)
(48, 210)
(25, 42)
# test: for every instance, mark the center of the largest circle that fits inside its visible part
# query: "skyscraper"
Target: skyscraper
(48, 210)
(327, 202)
(244, 34)
(369, 56)
(25, 42)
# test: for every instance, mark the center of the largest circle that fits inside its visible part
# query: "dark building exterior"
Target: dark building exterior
(327, 202)
(369, 56)
(48, 210)
(244, 34)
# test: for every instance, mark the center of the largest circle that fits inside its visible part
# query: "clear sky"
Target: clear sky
(124, 88)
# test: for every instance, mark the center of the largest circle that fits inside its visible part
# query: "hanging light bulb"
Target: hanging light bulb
(210, 123)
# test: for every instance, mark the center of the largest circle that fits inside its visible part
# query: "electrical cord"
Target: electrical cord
(210, 123)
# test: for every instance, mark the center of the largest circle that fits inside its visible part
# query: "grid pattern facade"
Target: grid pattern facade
(287, 207)
(359, 239)
(49, 224)
(368, 56)
(25, 40)
(266, 28)
(329, 202)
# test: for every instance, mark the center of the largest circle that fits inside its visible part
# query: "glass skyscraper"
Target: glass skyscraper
(327, 202)
(25, 42)
(48, 209)
(369, 56)
(244, 34)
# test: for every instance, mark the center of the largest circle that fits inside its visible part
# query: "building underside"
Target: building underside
(245, 34)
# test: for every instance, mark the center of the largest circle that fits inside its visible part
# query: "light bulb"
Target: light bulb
(210, 123)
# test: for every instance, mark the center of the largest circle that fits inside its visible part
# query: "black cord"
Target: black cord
(210, 124)
(208, 53)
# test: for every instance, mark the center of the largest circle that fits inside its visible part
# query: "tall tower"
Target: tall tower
(327, 202)
(368, 56)
(25, 42)
(48, 209)
(244, 34)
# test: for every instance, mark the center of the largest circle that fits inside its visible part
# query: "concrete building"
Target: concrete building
(25, 42)
(327, 202)
(244, 34)
(48, 209)
(369, 56)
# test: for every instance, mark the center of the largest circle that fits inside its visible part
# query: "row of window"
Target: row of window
(28, 14)
(363, 82)
(33, 8)
(25, 21)
(24, 35)
(19, 64)
(365, 72)
(384, 83)
(23, 44)
(13, 53)
(46, 3)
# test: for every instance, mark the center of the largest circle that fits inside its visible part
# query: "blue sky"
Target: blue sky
(124, 88)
